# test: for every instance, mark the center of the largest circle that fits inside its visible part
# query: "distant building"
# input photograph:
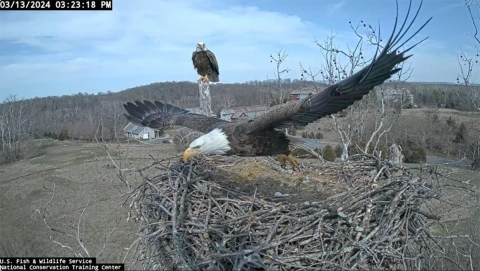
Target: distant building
(304, 92)
(392, 94)
(195, 110)
(402, 95)
(135, 131)
(242, 113)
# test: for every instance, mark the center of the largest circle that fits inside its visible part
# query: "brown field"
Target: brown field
(87, 187)
(82, 173)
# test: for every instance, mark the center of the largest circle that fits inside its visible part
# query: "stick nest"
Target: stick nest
(193, 219)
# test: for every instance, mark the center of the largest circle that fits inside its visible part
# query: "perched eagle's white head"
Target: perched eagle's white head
(215, 142)
(201, 46)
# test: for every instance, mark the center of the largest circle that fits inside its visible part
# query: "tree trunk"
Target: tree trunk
(345, 145)
(205, 99)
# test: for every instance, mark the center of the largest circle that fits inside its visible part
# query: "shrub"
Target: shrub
(329, 154)
(50, 134)
(461, 134)
(307, 134)
(472, 151)
(63, 135)
(451, 122)
(415, 155)
(475, 163)
(338, 150)
(310, 134)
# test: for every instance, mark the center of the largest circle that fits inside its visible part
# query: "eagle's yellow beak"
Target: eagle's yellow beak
(189, 153)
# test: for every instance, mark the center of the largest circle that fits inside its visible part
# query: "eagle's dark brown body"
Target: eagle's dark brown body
(205, 63)
(266, 142)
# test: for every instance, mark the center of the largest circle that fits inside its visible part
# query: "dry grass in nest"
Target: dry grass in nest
(207, 215)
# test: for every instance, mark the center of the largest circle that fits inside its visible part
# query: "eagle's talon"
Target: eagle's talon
(201, 79)
(294, 162)
(282, 158)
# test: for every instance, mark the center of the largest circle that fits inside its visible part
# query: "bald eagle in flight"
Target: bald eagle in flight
(262, 135)
(205, 62)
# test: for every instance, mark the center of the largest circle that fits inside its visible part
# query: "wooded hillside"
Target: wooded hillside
(99, 117)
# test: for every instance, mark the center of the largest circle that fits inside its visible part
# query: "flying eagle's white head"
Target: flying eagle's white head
(201, 46)
(215, 142)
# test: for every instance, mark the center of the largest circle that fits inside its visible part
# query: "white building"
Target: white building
(135, 131)
(240, 113)
(402, 95)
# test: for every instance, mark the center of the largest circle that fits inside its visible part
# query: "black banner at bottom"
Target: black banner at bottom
(56, 264)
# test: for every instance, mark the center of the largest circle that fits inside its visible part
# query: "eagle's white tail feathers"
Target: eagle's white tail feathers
(301, 142)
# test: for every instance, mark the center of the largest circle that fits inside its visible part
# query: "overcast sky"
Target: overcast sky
(146, 41)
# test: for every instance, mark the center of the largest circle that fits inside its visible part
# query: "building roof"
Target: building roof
(133, 128)
(298, 92)
(242, 109)
(238, 115)
(307, 90)
(195, 110)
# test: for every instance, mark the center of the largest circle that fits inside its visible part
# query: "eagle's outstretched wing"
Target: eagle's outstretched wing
(213, 62)
(159, 115)
(341, 95)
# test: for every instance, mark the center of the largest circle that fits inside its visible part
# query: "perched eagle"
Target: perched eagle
(205, 62)
(262, 135)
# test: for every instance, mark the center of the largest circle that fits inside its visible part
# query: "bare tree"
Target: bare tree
(14, 117)
(385, 116)
(279, 94)
(116, 112)
(470, 63)
(228, 101)
(473, 7)
(372, 111)
(468, 66)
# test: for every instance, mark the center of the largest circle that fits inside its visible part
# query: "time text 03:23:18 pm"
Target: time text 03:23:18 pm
(56, 5)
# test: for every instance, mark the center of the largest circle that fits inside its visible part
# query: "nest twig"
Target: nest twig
(192, 222)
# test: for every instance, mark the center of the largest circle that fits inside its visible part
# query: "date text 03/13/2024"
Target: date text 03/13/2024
(56, 5)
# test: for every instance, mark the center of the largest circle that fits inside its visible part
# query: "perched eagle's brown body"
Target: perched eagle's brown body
(205, 62)
(262, 135)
